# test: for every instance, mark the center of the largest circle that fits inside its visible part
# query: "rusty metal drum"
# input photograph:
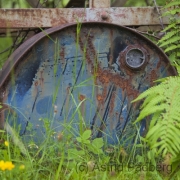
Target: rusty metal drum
(80, 76)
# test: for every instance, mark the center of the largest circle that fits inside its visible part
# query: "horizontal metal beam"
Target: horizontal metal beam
(32, 18)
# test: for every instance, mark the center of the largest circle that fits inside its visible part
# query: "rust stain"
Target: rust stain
(39, 82)
(78, 14)
(100, 97)
(121, 119)
(2, 115)
(62, 54)
(159, 64)
(105, 90)
(112, 47)
(68, 100)
(54, 21)
(120, 16)
(105, 77)
(36, 83)
(81, 97)
(113, 99)
(153, 76)
(90, 54)
(68, 90)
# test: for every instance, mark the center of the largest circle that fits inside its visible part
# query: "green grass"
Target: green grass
(67, 157)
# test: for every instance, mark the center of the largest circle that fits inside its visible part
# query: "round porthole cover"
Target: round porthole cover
(135, 58)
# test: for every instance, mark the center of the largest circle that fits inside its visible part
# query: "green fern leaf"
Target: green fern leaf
(152, 131)
(174, 138)
(177, 67)
(167, 36)
(153, 102)
(173, 25)
(172, 40)
(173, 3)
(173, 47)
(162, 103)
(174, 11)
(172, 57)
(178, 54)
(155, 118)
(145, 94)
(171, 12)
(158, 144)
(147, 112)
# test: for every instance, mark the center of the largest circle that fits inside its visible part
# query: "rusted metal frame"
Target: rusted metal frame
(99, 3)
(45, 18)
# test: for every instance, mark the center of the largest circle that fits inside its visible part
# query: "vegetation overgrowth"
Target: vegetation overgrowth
(61, 156)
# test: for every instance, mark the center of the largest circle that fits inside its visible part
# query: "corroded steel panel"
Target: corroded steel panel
(83, 80)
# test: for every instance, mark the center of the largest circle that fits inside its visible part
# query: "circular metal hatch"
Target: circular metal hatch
(135, 58)
(65, 78)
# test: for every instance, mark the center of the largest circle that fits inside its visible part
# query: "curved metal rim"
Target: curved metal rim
(23, 49)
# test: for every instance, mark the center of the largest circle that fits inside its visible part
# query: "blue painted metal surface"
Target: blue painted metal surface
(67, 78)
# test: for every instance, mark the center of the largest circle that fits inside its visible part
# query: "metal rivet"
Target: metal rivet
(104, 15)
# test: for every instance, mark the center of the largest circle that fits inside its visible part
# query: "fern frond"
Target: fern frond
(172, 3)
(173, 57)
(173, 25)
(146, 111)
(155, 118)
(172, 40)
(178, 54)
(177, 67)
(146, 93)
(172, 12)
(168, 35)
(162, 103)
(151, 101)
(161, 80)
(172, 47)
